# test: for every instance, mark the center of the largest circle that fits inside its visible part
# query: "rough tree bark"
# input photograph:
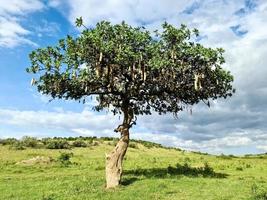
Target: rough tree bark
(115, 158)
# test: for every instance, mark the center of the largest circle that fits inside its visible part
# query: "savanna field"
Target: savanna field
(59, 169)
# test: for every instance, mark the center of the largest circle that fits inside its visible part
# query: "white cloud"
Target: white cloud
(230, 141)
(215, 146)
(47, 28)
(12, 33)
(59, 120)
(262, 147)
(19, 7)
(11, 29)
(54, 3)
(132, 11)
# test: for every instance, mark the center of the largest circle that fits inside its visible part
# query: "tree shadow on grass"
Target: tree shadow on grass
(128, 181)
(183, 170)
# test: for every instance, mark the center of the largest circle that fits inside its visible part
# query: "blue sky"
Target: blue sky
(233, 126)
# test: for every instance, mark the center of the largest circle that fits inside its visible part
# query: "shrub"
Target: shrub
(248, 166)
(232, 156)
(8, 141)
(133, 145)
(224, 157)
(95, 143)
(200, 153)
(64, 158)
(239, 168)
(29, 142)
(79, 143)
(57, 144)
(17, 146)
(148, 144)
(45, 140)
(89, 140)
(258, 193)
(187, 159)
(208, 170)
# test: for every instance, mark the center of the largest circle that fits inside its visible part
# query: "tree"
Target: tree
(132, 72)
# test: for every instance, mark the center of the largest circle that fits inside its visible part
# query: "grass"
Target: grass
(151, 172)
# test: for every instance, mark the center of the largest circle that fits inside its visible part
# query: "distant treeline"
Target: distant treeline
(71, 142)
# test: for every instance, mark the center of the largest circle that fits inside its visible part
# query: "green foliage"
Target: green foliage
(239, 168)
(8, 141)
(79, 22)
(108, 139)
(17, 146)
(133, 145)
(57, 144)
(224, 156)
(64, 158)
(20, 144)
(148, 144)
(131, 67)
(79, 143)
(29, 142)
(248, 165)
(258, 192)
(200, 153)
(207, 169)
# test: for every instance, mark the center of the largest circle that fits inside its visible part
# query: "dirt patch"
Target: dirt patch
(36, 160)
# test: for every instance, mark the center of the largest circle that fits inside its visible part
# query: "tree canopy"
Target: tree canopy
(162, 71)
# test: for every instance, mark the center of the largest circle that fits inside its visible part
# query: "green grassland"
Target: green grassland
(150, 172)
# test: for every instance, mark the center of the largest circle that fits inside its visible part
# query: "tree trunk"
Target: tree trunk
(114, 161)
(115, 158)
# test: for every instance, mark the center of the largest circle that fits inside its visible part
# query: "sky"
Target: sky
(233, 126)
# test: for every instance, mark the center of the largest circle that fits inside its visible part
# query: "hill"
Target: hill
(73, 168)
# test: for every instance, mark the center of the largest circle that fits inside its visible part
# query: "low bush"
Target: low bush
(227, 157)
(57, 144)
(187, 159)
(258, 192)
(29, 142)
(207, 169)
(95, 143)
(8, 141)
(200, 153)
(79, 143)
(133, 145)
(148, 144)
(248, 166)
(17, 146)
(239, 168)
(64, 158)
